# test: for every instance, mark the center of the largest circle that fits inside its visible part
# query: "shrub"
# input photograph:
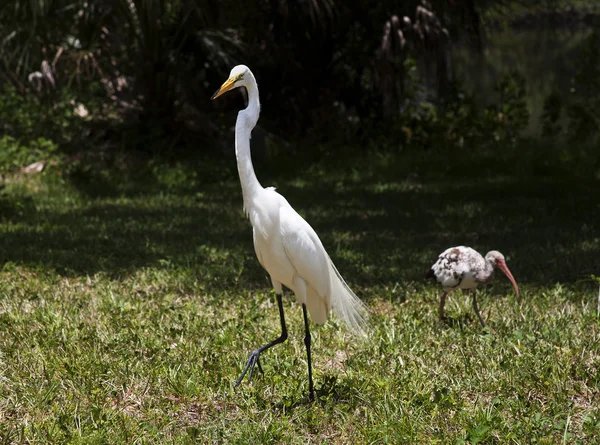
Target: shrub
(14, 154)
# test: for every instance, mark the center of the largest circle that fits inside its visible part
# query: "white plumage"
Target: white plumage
(286, 245)
(291, 251)
(464, 268)
(456, 267)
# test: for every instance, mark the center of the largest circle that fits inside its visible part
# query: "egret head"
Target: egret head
(497, 260)
(238, 77)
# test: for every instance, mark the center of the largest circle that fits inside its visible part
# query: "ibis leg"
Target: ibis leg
(307, 339)
(442, 304)
(253, 360)
(476, 308)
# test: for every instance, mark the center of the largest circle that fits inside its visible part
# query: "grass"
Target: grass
(128, 307)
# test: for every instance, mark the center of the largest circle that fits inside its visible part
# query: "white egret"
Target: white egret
(287, 247)
(464, 268)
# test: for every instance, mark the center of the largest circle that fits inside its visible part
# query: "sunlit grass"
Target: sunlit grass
(127, 309)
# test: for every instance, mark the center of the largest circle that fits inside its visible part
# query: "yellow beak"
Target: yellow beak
(228, 85)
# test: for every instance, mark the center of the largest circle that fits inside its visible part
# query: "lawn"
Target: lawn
(129, 303)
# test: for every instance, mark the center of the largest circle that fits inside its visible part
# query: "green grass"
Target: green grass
(128, 307)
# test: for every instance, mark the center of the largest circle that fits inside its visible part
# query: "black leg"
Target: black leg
(311, 387)
(476, 308)
(442, 304)
(254, 355)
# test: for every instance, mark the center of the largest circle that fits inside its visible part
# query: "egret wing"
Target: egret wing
(305, 250)
(325, 288)
(256, 249)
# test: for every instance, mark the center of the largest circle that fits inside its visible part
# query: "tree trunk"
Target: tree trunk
(473, 25)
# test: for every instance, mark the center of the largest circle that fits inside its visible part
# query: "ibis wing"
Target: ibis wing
(457, 266)
(449, 268)
(447, 277)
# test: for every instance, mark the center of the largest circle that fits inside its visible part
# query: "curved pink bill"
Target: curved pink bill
(504, 268)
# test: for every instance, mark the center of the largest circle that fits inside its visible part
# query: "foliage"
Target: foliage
(18, 113)
(31, 131)
(584, 101)
(574, 114)
(458, 121)
(154, 64)
(570, 119)
(551, 125)
(14, 155)
(35, 130)
(497, 125)
(133, 62)
(128, 307)
(357, 73)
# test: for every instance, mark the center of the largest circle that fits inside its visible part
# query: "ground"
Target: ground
(128, 307)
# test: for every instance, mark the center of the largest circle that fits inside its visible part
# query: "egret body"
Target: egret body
(286, 246)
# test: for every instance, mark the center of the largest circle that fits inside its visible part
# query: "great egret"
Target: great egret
(464, 268)
(287, 247)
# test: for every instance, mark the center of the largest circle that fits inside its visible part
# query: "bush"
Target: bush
(457, 121)
(584, 98)
(26, 117)
(14, 154)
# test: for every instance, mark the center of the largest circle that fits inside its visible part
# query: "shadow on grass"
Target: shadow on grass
(329, 389)
(382, 222)
(114, 232)
(394, 228)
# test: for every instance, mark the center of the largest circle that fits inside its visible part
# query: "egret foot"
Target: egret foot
(254, 358)
(253, 361)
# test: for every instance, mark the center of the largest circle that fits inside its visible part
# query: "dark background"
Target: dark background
(333, 76)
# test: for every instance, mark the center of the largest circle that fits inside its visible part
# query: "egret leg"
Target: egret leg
(307, 339)
(476, 308)
(253, 360)
(442, 304)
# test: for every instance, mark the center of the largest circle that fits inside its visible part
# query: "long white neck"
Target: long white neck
(246, 121)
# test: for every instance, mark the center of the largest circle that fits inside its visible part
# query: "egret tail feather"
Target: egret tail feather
(346, 305)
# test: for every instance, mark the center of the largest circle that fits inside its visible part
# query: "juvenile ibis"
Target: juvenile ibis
(464, 268)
